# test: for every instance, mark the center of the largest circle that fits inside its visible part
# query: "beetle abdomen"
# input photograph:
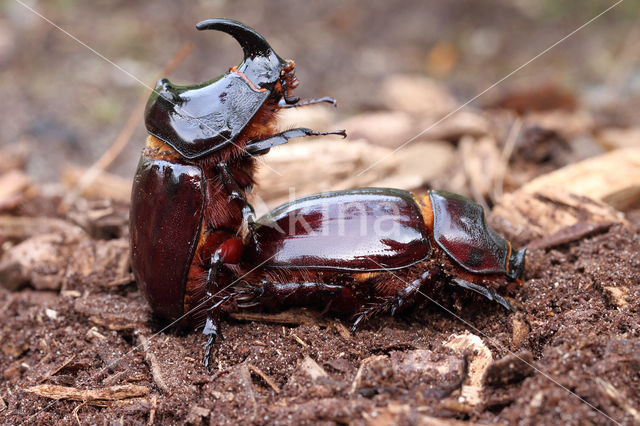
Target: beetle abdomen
(356, 230)
(166, 212)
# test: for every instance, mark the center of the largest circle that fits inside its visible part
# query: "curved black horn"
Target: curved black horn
(253, 44)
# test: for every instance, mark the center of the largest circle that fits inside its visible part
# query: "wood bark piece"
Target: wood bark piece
(526, 216)
(365, 362)
(481, 358)
(152, 361)
(312, 368)
(103, 185)
(23, 227)
(290, 317)
(613, 178)
(615, 138)
(111, 393)
(13, 185)
(40, 261)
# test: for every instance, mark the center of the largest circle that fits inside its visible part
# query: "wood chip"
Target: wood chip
(290, 317)
(120, 281)
(312, 369)
(55, 371)
(365, 362)
(341, 329)
(533, 216)
(472, 388)
(111, 393)
(104, 184)
(23, 227)
(264, 377)
(617, 296)
(520, 331)
(299, 340)
(569, 234)
(613, 178)
(156, 371)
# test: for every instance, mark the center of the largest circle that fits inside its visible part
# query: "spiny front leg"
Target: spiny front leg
(326, 99)
(262, 146)
(235, 192)
(404, 297)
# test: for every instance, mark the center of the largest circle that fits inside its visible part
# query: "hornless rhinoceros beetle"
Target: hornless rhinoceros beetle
(189, 201)
(369, 251)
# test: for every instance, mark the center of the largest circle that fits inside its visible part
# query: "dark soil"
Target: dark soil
(565, 322)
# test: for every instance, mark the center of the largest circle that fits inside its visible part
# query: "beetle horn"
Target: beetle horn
(261, 64)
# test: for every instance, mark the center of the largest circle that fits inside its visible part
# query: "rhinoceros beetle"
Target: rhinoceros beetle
(188, 202)
(358, 252)
(368, 251)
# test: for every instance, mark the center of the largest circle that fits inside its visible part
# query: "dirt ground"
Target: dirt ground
(558, 174)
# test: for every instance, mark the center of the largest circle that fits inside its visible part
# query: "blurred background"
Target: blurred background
(66, 105)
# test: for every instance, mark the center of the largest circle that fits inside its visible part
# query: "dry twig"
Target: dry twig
(149, 356)
(91, 396)
(54, 372)
(264, 377)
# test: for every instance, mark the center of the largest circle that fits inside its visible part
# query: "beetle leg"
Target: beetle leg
(261, 146)
(404, 297)
(488, 293)
(236, 193)
(278, 295)
(284, 104)
(212, 324)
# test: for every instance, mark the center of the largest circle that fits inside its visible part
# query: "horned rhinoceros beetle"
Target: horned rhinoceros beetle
(189, 201)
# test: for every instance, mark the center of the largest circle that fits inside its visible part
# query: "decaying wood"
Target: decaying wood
(397, 413)
(613, 178)
(299, 340)
(111, 393)
(245, 378)
(156, 373)
(20, 228)
(40, 261)
(536, 215)
(13, 185)
(480, 360)
(569, 234)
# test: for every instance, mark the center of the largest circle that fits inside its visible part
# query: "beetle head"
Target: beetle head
(261, 64)
(517, 264)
